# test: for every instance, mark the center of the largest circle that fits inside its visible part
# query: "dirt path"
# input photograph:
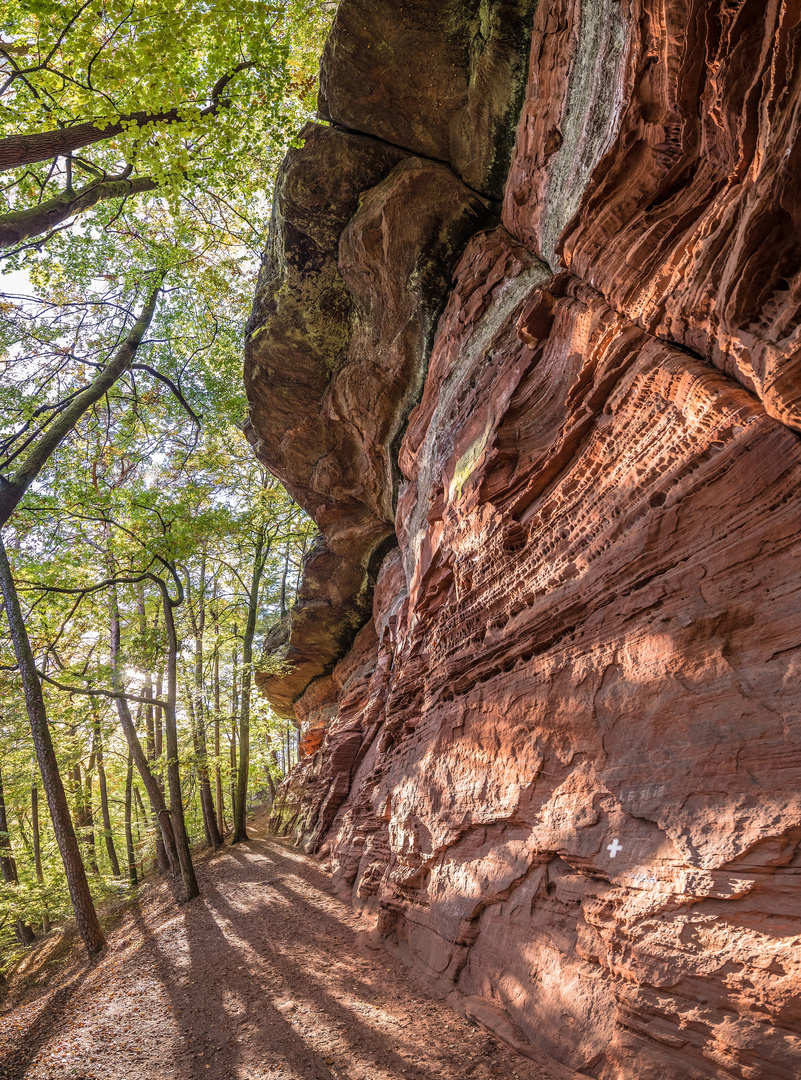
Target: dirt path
(261, 977)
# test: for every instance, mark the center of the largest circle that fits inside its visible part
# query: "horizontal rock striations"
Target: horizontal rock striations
(560, 761)
(658, 158)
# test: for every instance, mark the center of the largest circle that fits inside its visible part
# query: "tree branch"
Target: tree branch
(16, 150)
(100, 693)
(173, 387)
(11, 491)
(24, 224)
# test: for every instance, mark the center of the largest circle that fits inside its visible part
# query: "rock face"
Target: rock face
(357, 267)
(554, 735)
(442, 80)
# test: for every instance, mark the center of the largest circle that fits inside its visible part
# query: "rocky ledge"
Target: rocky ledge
(526, 345)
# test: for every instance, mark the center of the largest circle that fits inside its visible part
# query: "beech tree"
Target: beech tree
(85, 914)
(126, 485)
(141, 507)
(108, 100)
(35, 448)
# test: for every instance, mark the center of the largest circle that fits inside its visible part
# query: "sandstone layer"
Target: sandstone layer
(358, 262)
(547, 654)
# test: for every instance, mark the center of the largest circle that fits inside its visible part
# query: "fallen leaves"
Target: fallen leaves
(227, 988)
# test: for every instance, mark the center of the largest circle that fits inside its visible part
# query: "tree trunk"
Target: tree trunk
(240, 832)
(160, 811)
(35, 220)
(101, 775)
(271, 783)
(206, 809)
(299, 574)
(139, 808)
(89, 818)
(198, 616)
(26, 148)
(234, 717)
(217, 772)
(171, 738)
(161, 852)
(85, 914)
(129, 844)
(283, 580)
(37, 850)
(85, 817)
(161, 856)
(12, 490)
(190, 712)
(158, 727)
(24, 932)
(8, 863)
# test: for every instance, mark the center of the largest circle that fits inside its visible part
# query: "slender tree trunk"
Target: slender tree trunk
(90, 824)
(138, 843)
(283, 580)
(21, 823)
(162, 862)
(271, 784)
(154, 794)
(206, 797)
(85, 914)
(171, 738)
(262, 550)
(101, 775)
(217, 771)
(161, 852)
(86, 817)
(129, 844)
(79, 816)
(37, 850)
(24, 932)
(150, 734)
(234, 720)
(299, 574)
(37, 836)
(204, 779)
(8, 863)
(158, 727)
(204, 808)
(197, 613)
(139, 808)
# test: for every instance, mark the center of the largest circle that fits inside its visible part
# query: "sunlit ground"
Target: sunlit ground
(261, 977)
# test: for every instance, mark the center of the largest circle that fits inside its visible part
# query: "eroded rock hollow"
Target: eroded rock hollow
(526, 345)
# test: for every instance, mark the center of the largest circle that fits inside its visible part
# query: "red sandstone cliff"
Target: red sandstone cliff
(526, 344)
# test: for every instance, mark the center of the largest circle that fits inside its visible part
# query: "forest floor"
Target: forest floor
(263, 976)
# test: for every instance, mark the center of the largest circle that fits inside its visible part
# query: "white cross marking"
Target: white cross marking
(613, 848)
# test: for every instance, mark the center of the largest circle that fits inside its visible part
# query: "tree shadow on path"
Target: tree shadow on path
(264, 939)
(49, 1023)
